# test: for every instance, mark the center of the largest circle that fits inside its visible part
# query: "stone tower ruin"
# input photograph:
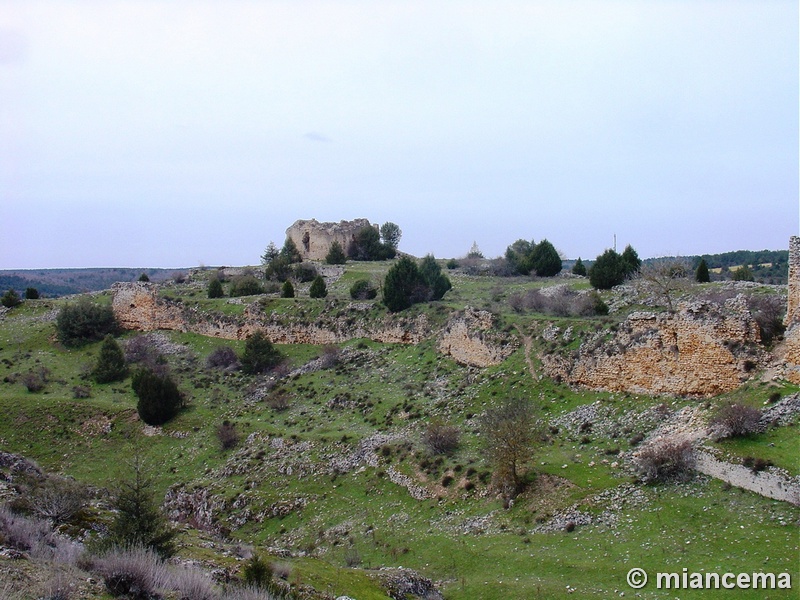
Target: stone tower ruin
(793, 300)
(313, 239)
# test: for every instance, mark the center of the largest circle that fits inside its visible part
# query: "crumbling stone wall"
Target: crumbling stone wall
(792, 321)
(702, 350)
(313, 239)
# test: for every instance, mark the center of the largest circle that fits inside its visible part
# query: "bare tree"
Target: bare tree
(664, 278)
(508, 433)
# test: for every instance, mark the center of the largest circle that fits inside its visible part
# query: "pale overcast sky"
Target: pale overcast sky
(177, 133)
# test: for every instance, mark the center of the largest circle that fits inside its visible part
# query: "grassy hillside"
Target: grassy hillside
(331, 479)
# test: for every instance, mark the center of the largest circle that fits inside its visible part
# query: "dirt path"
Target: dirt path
(527, 342)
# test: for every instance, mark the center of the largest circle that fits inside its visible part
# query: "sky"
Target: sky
(183, 133)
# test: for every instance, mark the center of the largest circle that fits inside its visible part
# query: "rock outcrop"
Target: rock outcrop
(470, 338)
(702, 350)
(138, 306)
(791, 347)
(313, 239)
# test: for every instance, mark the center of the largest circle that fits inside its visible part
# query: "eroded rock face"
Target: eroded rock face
(313, 239)
(468, 337)
(702, 350)
(137, 306)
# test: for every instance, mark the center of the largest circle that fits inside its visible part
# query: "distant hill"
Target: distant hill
(768, 266)
(62, 282)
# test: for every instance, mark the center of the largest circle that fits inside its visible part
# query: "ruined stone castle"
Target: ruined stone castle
(313, 239)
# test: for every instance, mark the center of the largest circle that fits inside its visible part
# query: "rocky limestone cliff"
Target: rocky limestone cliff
(313, 239)
(466, 337)
(470, 338)
(138, 306)
(702, 350)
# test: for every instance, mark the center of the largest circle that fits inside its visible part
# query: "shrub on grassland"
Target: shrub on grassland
(137, 573)
(159, 398)
(84, 321)
(440, 438)
(735, 420)
(664, 458)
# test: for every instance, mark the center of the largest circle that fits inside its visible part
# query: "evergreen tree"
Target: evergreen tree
(630, 261)
(290, 251)
(10, 299)
(367, 246)
(110, 363)
(701, 275)
(437, 282)
(139, 520)
(270, 254)
(159, 399)
(607, 271)
(259, 354)
(404, 285)
(318, 288)
(215, 288)
(31, 293)
(518, 256)
(544, 259)
(390, 235)
(287, 291)
(743, 273)
(144, 277)
(579, 268)
(336, 255)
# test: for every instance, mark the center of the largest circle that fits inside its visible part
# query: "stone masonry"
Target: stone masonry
(792, 321)
(313, 239)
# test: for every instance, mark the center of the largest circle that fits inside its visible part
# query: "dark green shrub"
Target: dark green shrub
(84, 321)
(215, 288)
(257, 573)
(159, 396)
(630, 261)
(10, 299)
(259, 354)
(305, 272)
(287, 290)
(245, 285)
(404, 285)
(366, 245)
(579, 268)
(363, 290)
(452, 264)
(290, 251)
(545, 260)
(336, 255)
(144, 277)
(607, 271)
(279, 268)
(318, 288)
(31, 293)
(110, 363)
(743, 273)
(598, 306)
(437, 282)
(701, 274)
